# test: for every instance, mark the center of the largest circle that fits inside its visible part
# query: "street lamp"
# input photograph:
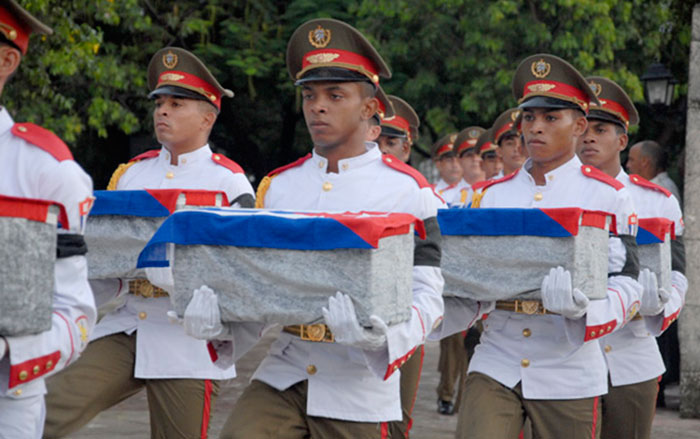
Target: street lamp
(658, 85)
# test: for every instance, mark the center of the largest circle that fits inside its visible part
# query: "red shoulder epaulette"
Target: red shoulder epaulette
(597, 174)
(488, 183)
(227, 163)
(294, 164)
(643, 182)
(43, 139)
(146, 155)
(400, 166)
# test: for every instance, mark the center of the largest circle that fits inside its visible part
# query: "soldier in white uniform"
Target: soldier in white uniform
(507, 137)
(632, 355)
(37, 164)
(470, 161)
(338, 379)
(136, 346)
(545, 363)
(445, 159)
(400, 131)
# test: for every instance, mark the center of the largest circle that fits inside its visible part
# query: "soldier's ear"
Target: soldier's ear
(580, 123)
(10, 58)
(370, 107)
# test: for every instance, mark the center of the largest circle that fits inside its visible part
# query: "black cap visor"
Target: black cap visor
(605, 117)
(548, 102)
(392, 132)
(332, 74)
(172, 90)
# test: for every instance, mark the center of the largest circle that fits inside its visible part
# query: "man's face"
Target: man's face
(449, 169)
(178, 121)
(550, 134)
(334, 111)
(634, 161)
(470, 162)
(491, 164)
(396, 146)
(511, 151)
(601, 144)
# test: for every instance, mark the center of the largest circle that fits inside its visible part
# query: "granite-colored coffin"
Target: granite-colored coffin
(122, 222)
(503, 254)
(654, 248)
(281, 267)
(28, 230)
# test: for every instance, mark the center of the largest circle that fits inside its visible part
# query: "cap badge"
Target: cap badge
(514, 115)
(169, 60)
(322, 58)
(319, 37)
(597, 88)
(473, 133)
(171, 77)
(540, 69)
(540, 88)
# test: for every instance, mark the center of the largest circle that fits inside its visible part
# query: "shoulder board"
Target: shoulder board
(483, 185)
(146, 155)
(227, 163)
(400, 166)
(43, 139)
(294, 164)
(597, 174)
(643, 182)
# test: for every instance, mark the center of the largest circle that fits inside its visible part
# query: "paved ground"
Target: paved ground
(129, 420)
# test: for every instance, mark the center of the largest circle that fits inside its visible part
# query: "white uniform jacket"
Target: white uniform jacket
(163, 350)
(346, 382)
(450, 193)
(632, 354)
(551, 355)
(43, 168)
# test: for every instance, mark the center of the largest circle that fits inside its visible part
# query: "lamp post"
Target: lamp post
(659, 85)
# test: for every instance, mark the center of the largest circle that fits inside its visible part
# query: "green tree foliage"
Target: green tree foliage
(453, 60)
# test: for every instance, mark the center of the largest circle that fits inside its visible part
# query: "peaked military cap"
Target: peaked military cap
(505, 124)
(176, 72)
(325, 49)
(547, 81)
(466, 139)
(445, 145)
(405, 122)
(16, 24)
(615, 106)
(386, 107)
(485, 143)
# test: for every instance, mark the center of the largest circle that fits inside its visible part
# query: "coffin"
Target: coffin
(503, 254)
(28, 230)
(281, 267)
(121, 223)
(654, 237)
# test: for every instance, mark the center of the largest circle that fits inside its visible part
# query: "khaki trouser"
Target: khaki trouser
(104, 376)
(410, 378)
(452, 366)
(490, 410)
(263, 412)
(628, 411)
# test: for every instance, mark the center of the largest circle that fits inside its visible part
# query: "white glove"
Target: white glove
(558, 295)
(341, 319)
(202, 319)
(653, 297)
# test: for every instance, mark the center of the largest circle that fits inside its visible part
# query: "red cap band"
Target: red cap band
(399, 123)
(13, 30)
(556, 89)
(443, 149)
(469, 143)
(503, 129)
(614, 108)
(339, 58)
(190, 82)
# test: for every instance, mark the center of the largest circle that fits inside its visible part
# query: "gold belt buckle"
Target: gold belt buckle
(315, 333)
(528, 306)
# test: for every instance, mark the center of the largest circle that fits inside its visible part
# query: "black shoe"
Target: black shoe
(445, 407)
